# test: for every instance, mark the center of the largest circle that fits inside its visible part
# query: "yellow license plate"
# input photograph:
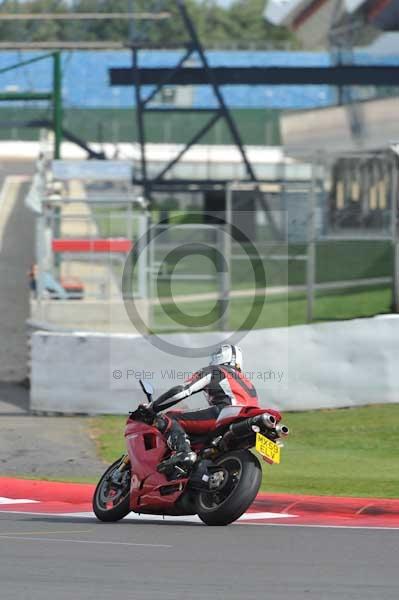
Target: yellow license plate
(268, 448)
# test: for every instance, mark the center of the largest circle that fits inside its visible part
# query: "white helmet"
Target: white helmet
(227, 355)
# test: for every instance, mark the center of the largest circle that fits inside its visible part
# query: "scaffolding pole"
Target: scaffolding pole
(311, 262)
(394, 233)
(57, 104)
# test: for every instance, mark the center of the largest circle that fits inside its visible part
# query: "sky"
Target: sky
(224, 2)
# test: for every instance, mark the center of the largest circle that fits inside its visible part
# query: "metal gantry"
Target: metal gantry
(184, 74)
(137, 76)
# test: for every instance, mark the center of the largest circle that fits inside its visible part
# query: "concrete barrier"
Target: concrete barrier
(16, 251)
(327, 365)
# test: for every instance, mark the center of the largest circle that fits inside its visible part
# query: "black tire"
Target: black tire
(240, 490)
(118, 506)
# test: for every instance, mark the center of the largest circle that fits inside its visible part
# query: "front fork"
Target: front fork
(125, 462)
(116, 476)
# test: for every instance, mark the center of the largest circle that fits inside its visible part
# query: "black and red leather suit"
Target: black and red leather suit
(224, 386)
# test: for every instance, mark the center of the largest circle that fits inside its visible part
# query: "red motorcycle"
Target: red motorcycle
(223, 483)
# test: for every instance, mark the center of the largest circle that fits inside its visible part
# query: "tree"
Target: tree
(241, 24)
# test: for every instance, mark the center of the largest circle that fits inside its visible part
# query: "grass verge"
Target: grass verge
(345, 452)
(283, 310)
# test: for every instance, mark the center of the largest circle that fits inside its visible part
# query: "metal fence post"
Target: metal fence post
(57, 104)
(142, 253)
(394, 234)
(311, 262)
(224, 233)
(40, 254)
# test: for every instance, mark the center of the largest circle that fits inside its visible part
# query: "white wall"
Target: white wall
(305, 367)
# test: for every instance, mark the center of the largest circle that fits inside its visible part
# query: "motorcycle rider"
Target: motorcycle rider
(224, 384)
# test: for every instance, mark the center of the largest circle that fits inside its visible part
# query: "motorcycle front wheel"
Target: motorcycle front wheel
(241, 479)
(111, 501)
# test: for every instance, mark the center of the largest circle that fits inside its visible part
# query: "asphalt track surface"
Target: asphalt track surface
(64, 558)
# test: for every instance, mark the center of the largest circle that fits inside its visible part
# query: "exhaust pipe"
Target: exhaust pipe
(282, 430)
(245, 427)
(268, 420)
(248, 426)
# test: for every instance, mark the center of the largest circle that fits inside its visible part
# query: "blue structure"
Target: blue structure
(86, 83)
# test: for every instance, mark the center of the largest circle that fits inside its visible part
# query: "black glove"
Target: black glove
(144, 414)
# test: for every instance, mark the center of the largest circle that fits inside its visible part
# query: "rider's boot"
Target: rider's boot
(179, 464)
(183, 458)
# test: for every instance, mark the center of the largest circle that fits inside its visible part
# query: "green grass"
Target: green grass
(107, 432)
(346, 452)
(280, 311)
(113, 222)
(289, 309)
(336, 261)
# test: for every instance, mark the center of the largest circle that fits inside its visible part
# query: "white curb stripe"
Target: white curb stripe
(4, 500)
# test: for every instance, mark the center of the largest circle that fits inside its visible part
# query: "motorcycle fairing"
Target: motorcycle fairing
(146, 448)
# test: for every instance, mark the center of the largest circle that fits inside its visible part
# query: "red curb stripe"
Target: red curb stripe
(78, 493)
(327, 504)
(54, 508)
(73, 493)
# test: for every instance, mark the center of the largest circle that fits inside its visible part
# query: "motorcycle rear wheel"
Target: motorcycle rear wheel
(111, 504)
(243, 476)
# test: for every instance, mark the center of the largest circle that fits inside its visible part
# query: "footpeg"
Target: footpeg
(180, 462)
